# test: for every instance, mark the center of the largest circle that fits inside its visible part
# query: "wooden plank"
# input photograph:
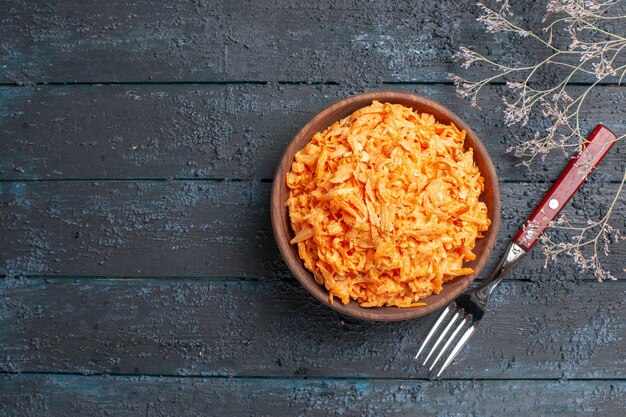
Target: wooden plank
(234, 131)
(141, 41)
(550, 327)
(202, 228)
(62, 395)
(179, 229)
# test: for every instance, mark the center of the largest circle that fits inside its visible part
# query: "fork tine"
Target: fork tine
(432, 330)
(441, 336)
(468, 333)
(448, 342)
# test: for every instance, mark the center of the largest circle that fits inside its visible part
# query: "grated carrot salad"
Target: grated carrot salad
(384, 206)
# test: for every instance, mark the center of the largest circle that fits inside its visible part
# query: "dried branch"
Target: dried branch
(593, 49)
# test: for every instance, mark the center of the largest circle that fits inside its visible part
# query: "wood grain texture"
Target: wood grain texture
(281, 225)
(549, 327)
(234, 131)
(283, 40)
(60, 395)
(205, 228)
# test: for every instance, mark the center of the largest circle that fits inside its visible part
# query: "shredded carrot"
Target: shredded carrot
(385, 206)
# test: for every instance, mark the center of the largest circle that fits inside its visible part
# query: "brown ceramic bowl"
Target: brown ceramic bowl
(284, 233)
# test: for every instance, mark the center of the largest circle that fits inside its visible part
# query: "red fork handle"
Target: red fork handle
(570, 180)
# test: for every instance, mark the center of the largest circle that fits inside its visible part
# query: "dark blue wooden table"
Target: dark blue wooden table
(138, 141)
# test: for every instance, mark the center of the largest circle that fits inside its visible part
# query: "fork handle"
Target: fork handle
(570, 180)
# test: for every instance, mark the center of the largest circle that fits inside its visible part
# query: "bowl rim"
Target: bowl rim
(279, 211)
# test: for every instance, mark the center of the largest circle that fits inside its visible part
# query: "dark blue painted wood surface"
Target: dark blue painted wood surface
(62, 395)
(139, 275)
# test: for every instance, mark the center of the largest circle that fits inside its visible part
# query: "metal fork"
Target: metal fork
(461, 317)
